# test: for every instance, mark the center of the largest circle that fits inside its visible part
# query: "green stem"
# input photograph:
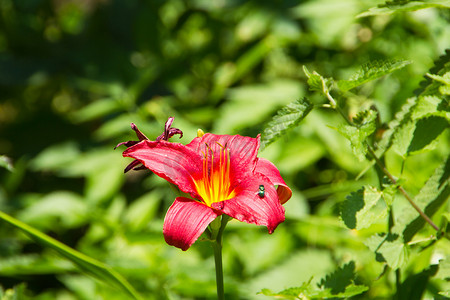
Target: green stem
(401, 189)
(217, 247)
(383, 168)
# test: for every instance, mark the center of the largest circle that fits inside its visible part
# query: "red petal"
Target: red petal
(185, 221)
(243, 149)
(249, 207)
(267, 168)
(172, 161)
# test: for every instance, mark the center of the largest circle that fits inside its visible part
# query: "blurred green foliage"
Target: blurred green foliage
(74, 75)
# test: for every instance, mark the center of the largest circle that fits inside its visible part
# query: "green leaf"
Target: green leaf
(413, 287)
(363, 208)
(357, 135)
(371, 71)
(419, 127)
(401, 118)
(286, 118)
(84, 262)
(390, 248)
(431, 84)
(338, 284)
(431, 197)
(394, 7)
(426, 130)
(339, 279)
(316, 82)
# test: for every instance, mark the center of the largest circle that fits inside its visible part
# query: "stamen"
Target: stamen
(214, 186)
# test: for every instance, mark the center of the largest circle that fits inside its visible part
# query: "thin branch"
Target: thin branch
(401, 189)
(383, 168)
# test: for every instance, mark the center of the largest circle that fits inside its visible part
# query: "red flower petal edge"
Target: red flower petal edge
(185, 221)
(267, 168)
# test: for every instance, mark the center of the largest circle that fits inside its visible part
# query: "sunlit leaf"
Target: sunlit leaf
(431, 197)
(391, 248)
(286, 118)
(317, 82)
(371, 71)
(427, 129)
(357, 135)
(393, 7)
(338, 284)
(363, 208)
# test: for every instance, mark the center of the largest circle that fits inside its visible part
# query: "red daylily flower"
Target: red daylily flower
(221, 173)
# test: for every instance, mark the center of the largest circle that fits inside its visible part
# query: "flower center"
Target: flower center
(214, 185)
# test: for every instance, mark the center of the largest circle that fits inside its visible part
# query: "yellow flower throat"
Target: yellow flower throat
(214, 185)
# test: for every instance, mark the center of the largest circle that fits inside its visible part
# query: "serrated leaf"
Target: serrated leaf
(339, 279)
(371, 71)
(422, 125)
(84, 262)
(357, 135)
(430, 86)
(431, 197)
(361, 209)
(338, 284)
(350, 291)
(317, 82)
(291, 293)
(401, 118)
(391, 248)
(286, 118)
(388, 9)
(427, 129)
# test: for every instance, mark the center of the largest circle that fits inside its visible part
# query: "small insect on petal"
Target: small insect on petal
(261, 191)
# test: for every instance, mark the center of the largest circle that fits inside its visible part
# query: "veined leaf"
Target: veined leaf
(338, 284)
(429, 100)
(371, 71)
(418, 134)
(84, 262)
(430, 85)
(427, 129)
(394, 7)
(357, 135)
(316, 82)
(431, 197)
(391, 248)
(286, 118)
(363, 208)
(401, 118)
